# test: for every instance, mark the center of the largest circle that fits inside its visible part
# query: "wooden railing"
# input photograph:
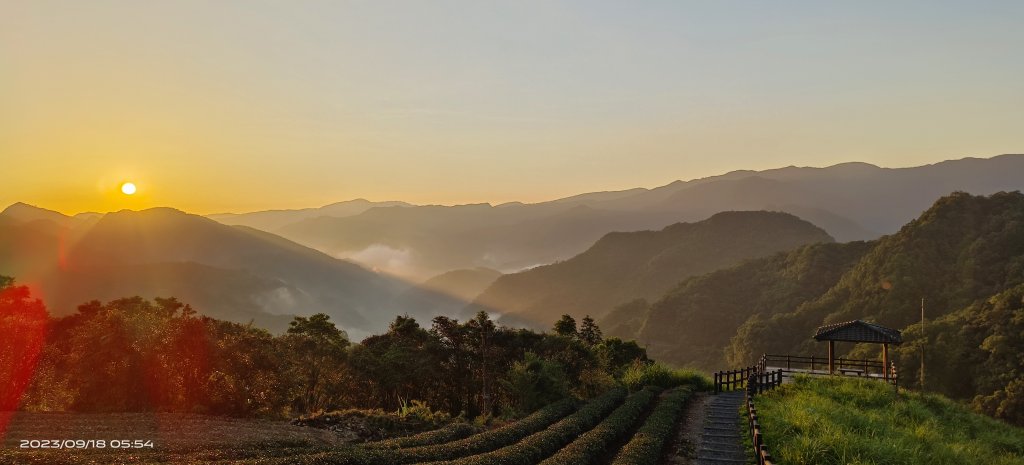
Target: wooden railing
(756, 437)
(794, 362)
(761, 381)
(733, 380)
(818, 366)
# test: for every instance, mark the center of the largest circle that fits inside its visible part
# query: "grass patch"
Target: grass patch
(640, 374)
(858, 422)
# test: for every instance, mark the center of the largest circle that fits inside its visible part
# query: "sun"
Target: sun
(128, 188)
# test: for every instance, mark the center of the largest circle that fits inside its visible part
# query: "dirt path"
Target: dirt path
(683, 446)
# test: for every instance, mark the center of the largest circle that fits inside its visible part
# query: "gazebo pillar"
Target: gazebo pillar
(885, 361)
(831, 357)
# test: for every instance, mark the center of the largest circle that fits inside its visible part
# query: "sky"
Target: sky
(249, 105)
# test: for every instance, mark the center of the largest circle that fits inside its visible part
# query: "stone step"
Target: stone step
(722, 430)
(717, 436)
(723, 448)
(736, 453)
(729, 414)
(730, 419)
(722, 441)
(711, 461)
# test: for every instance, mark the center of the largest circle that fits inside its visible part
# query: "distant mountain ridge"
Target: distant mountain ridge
(271, 220)
(462, 284)
(852, 201)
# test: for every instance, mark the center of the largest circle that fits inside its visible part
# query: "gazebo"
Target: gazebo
(859, 331)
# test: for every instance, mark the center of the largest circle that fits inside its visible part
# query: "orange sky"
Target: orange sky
(238, 106)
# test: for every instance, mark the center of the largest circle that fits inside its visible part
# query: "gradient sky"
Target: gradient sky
(234, 106)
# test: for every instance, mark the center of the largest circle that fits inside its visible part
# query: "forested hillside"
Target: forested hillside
(692, 324)
(964, 256)
(625, 266)
(974, 354)
(964, 249)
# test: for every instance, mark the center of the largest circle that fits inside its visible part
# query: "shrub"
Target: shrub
(418, 409)
(448, 433)
(641, 374)
(534, 382)
(645, 447)
(376, 424)
(476, 444)
(540, 445)
(596, 442)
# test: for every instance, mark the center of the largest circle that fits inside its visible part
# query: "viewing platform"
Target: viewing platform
(782, 368)
(792, 365)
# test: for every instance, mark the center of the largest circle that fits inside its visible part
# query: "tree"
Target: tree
(535, 382)
(23, 322)
(484, 329)
(455, 359)
(316, 348)
(566, 326)
(249, 371)
(401, 364)
(589, 333)
(615, 355)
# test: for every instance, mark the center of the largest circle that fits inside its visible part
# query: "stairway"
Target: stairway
(721, 442)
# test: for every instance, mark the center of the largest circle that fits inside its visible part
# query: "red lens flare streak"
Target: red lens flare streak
(23, 323)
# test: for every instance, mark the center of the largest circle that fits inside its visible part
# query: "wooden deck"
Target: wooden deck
(789, 373)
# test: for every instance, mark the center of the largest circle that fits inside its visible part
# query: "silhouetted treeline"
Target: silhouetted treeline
(133, 354)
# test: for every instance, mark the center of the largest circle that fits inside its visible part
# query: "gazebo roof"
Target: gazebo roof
(858, 331)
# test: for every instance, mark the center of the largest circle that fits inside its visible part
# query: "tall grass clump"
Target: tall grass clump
(641, 374)
(824, 421)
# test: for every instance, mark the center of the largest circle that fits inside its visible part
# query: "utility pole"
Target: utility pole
(924, 340)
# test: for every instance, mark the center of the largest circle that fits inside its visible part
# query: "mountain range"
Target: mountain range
(363, 262)
(851, 201)
(231, 272)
